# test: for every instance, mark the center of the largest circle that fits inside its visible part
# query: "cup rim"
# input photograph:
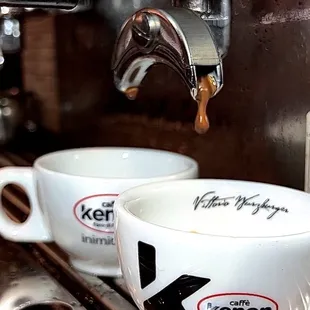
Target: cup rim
(135, 193)
(192, 164)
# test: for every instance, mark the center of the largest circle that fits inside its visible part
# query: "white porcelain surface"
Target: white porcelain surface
(72, 194)
(227, 244)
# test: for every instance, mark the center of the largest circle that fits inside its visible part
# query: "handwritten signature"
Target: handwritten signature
(210, 200)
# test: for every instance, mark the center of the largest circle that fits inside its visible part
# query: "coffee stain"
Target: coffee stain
(296, 15)
(194, 232)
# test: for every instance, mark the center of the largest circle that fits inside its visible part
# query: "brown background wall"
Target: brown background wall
(257, 121)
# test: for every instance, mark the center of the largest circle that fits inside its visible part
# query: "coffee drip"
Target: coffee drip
(207, 88)
(132, 93)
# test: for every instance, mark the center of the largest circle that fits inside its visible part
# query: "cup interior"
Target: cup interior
(219, 208)
(120, 163)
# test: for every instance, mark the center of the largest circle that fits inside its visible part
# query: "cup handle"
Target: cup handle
(35, 228)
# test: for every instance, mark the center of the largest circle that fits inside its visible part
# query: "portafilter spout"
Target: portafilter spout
(178, 37)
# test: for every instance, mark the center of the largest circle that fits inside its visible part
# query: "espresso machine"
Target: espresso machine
(190, 36)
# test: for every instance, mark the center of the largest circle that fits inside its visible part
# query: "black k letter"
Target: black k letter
(171, 297)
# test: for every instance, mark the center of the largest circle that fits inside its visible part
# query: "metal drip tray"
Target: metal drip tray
(24, 284)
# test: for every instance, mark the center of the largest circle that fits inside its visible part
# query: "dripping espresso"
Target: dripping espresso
(207, 88)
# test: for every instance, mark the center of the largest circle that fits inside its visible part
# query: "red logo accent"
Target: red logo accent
(267, 299)
(90, 212)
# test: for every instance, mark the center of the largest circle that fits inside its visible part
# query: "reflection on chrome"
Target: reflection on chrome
(23, 283)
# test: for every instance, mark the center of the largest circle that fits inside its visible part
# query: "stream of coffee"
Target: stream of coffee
(206, 90)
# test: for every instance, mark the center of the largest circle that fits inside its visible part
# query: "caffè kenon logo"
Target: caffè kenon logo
(96, 212)
(237, 301)
(256, 203)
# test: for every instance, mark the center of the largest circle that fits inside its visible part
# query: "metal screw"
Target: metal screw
(145, 28)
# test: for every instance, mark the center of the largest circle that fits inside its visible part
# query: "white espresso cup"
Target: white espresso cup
(72, 194)
(215, 245)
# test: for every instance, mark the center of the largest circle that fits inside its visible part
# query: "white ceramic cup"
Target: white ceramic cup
(215, 245)
(72, 193)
